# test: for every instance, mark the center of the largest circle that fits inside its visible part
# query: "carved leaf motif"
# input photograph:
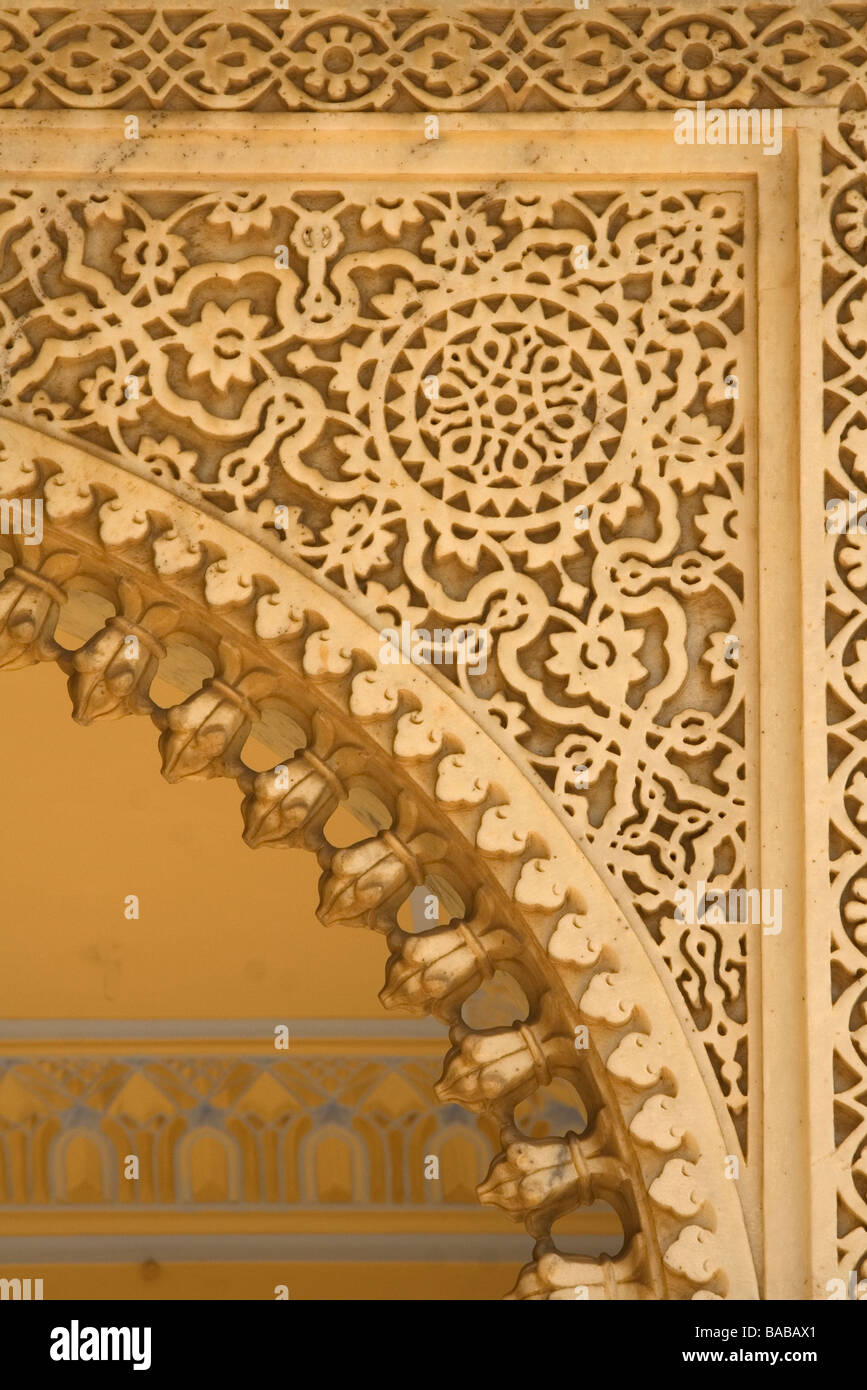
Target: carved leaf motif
(17, 471)
(176, 553)
(556, 1276)
(605, 1000)
(365, 885)
(418, 736)
(552, 1174)
(656, 1124)
(374, 694)
(277, 617)
(323, 656)
(458, 781)
(502, 831)
(64, 499)
(563, 390)
(676, 1188)
(574, 942)
(227, 583)
(542, 884)
(288, 805)
(203, 737)
(107, 681)
(638, 1060)
(533, 1174)
(694, 1255)
(441, 966)
(490, 1066)
(122, 522)
(29, 607)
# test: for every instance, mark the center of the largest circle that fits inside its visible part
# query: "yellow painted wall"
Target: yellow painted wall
(225, 931)
(406, 1281)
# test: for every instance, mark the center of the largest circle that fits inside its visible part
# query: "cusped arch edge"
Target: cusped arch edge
(597, 973)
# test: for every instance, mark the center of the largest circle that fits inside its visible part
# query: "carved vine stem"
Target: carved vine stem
(360, 731)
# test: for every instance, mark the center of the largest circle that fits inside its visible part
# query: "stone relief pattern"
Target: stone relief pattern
(407, 58)
(575, 488)
(845, 293)
(237, 1129)
(650, 1145)
(502, 59)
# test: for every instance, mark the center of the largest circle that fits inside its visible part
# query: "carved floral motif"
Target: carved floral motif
(845, 288)
(408, 58)
(517, 895)
(574, 484)
(498, 59)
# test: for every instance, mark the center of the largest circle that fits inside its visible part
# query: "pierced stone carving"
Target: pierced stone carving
(427, 244)
(357, 57)
(844, 169)
(436, 970)
(574, 490)
(290, 804)
(114, 669)
(492, 1070)
(30, 600)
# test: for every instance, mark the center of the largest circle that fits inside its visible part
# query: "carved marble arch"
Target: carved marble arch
(456, 815)
(217, 344)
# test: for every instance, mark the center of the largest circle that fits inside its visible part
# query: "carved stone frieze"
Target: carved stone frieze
(447, 57)
(580, 967)
(430, 390)
(601, 560)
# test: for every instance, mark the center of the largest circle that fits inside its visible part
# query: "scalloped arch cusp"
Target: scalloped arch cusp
(424, 831)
